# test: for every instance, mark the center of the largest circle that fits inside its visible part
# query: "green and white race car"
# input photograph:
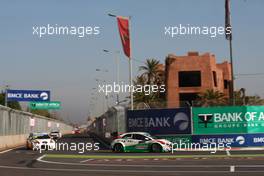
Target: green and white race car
(140, 142)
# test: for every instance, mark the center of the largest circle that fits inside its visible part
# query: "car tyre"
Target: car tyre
(118, 148)
(156, 148)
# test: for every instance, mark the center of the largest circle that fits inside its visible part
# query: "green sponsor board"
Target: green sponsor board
(226, 120)
(45, 105)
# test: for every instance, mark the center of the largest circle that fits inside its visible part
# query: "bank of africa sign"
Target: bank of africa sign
(223, 120)
(161, 121)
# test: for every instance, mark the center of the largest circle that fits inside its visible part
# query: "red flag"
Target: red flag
(123, 26)
(228, 29)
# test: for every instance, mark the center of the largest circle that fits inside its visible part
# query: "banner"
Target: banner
(28, 95)
(123, 27)
(45, 105)
(226, 120)
(235, 140)
(160, 121)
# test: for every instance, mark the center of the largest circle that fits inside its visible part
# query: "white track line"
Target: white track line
(5, 151)
(86, 160)
(228, 153)
(232, 168)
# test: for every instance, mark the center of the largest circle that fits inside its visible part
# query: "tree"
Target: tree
(150, 71)
(242, 99)
(212, 98)
(41, 112)
(11, 104)
(153, 74)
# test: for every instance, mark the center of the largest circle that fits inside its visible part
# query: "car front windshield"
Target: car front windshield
(42, 137)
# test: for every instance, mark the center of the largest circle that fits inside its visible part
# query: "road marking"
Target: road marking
(40, 159)
(86, 160)
(228, 153)
(5, 151)
(118, 171)
(196, 157)
(125, 171)
(232, 168)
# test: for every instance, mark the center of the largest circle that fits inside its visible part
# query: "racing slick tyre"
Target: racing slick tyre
(156, 148)
(118, 148)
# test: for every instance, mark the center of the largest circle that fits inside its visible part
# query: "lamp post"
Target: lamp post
(116, 53)
(6, 90)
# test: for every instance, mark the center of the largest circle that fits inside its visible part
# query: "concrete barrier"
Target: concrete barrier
(15, 126)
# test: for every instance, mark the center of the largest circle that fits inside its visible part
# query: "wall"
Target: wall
(15, 126)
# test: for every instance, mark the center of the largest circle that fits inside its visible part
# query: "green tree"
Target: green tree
(150, 71)
(41, 112)
(211, 98)
(11, 104)
(152, 74)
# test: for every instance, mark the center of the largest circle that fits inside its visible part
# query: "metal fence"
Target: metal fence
(110, 123)
(13, 122)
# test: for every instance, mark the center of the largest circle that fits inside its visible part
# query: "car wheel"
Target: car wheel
(118, 148)
(156, 148)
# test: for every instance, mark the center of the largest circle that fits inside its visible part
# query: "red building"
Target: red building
(187, 76)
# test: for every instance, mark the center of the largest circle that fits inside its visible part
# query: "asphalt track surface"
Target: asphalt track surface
(18, 162)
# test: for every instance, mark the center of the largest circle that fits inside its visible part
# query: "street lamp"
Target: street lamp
(116, 53)
(6, 90)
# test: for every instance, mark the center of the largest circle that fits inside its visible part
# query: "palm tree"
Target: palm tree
(152, 75)
(150, 70)
(212, 98)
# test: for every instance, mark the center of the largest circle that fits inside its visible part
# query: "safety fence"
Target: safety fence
(110, 123)
(16, 125)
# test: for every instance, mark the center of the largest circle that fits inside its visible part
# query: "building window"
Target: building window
(226, 82)
(189, 79)
(215, 78)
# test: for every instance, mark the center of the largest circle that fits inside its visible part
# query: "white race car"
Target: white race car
(37, 141)
(55, 134)
(140, 142)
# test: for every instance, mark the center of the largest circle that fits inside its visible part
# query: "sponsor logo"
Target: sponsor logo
(44, 96)
(205, 119)
(258, 140)
(181, 121)
(240, 140)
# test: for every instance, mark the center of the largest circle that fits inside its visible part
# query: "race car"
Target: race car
(140, 142)
(37, 141)
(55, 134)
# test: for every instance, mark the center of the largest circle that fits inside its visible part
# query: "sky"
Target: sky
(66, 65)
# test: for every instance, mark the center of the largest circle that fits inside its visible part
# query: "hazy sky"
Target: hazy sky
(66, 65)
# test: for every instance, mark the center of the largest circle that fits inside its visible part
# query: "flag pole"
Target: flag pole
(229, 37)
(232, 73)
(130, 69)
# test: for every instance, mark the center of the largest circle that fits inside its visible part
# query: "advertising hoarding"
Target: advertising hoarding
(160, 121)
(228, 120)
(235, 140)
(28, 95)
